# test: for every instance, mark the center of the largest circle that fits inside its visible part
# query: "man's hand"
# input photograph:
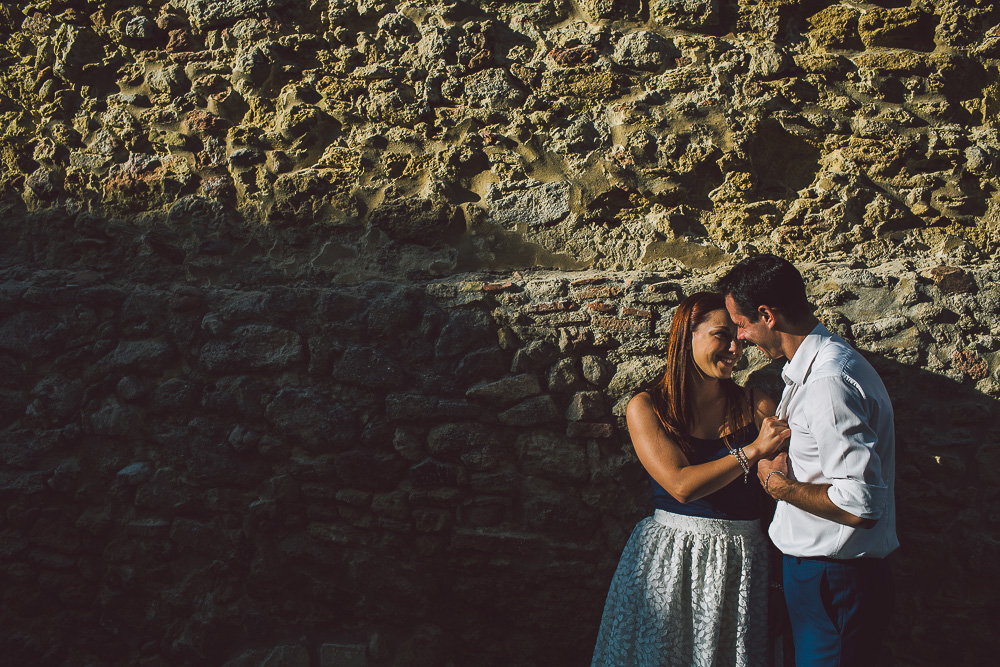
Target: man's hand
(778, 464)
(812, 498)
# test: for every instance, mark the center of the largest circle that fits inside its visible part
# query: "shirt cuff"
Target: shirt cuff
(862, 500)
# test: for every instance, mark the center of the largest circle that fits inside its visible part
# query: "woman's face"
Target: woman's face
(714, 347)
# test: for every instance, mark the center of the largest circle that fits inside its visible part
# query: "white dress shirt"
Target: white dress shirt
(843, 435)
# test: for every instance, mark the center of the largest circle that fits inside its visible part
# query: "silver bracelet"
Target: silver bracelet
(768, 479)
(742, 459)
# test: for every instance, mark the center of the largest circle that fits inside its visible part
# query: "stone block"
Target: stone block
(564, 319)
(634, 375)
(506, 390)
(596, 370)
(971, 364)
(343, 655)
(534, 411)
(415, 220)
(205, 14)
(637, 312)
(434, 473)
(589, 430)
(253, 347)
(483, 456)
(953, 280)
(879, 329)
(692, 14)
(134, 473)
(591, 82)
(116, 419)
(369, 367)
(610, 9)
(533, 207)
(551, 456)
(901, 27)
(552, 307)
(493, 88)
(454, 440)
(564, 376)
(499, 482)
(163, 492)
(621, 326)
(644, 50)
(391, 505)
(601, 307)
(464, 332)
(57, 397)
(419, 407)
(145, 356)
(835, 27)
(432, 520)
(312, 420)
(370, 471)
(598, 292)
(586, 406)
(236, 395)
(478, 365)
(75, 48)
(485, 511)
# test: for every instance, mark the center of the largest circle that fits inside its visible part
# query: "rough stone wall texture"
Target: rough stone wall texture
(376, 137)
(419, 474)
(316, 318)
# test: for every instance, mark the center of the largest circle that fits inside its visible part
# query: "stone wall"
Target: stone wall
(379, 138)
(317, 318)
(419, 473)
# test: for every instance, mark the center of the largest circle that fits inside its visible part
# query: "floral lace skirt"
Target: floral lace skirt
(688, 591)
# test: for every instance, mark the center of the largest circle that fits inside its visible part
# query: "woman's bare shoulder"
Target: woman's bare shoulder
(641, 400)
(640, 405)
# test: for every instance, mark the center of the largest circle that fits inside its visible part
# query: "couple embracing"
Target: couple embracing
(692, 585)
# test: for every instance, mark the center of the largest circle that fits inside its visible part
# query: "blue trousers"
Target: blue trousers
(839, 609)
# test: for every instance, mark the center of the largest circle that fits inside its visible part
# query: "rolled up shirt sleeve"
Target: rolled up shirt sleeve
(839, 420)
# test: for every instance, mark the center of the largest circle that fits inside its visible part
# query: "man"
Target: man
(835, 520)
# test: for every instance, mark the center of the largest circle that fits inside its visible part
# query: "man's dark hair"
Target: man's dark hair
(766, 280)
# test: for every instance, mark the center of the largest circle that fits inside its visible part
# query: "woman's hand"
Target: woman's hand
(773, 437)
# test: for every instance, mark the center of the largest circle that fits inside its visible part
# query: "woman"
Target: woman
(691, 586)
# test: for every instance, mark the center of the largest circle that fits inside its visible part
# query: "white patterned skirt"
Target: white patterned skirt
(687, 591)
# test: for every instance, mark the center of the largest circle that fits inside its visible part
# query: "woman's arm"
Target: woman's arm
(668, 465)
(763, 406)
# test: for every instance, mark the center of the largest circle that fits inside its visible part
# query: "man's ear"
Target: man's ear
(767, 314)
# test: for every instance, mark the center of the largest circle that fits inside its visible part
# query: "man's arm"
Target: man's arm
(812, 498)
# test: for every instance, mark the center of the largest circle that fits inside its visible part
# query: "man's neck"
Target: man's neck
(793, 334)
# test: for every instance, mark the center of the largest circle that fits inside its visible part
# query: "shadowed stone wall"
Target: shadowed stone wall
(317, 318)
(419, 474)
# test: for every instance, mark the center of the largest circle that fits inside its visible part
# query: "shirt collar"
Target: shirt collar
(797, 368)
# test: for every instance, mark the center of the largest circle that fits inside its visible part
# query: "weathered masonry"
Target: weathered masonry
(317, 318)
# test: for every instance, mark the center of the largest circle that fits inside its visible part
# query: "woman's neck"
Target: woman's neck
(709, 407)
(707, 390)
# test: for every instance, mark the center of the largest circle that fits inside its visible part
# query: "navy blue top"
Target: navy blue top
(735, 501)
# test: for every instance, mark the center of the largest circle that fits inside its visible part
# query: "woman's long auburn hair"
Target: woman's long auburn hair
(673, 396)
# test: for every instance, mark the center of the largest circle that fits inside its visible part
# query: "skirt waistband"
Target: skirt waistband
(706, 526)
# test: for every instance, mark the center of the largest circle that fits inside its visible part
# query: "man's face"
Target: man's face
(756, 333)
